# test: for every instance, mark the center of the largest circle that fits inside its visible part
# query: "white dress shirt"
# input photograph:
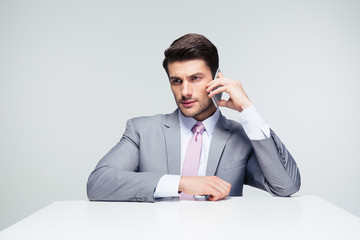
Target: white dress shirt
(254, 126)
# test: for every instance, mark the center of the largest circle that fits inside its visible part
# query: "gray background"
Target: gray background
(73, 72)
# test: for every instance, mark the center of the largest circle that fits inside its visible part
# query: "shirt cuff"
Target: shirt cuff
(167, 186)
(254, 125)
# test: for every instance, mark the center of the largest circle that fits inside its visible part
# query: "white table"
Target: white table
(305, 217)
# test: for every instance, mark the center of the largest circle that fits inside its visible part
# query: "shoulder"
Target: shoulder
(151, 122)
(147, 120)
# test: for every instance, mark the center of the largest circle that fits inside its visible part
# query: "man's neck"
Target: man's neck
(206, 114)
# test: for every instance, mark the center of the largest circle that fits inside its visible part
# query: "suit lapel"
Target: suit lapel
(218, 142)
(173, 142)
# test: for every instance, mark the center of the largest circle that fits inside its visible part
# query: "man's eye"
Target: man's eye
(177, 80)
(195, 78)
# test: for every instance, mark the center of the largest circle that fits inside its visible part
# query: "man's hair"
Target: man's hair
(190, 47)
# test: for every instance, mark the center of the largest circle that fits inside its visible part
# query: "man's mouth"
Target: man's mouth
(187, 103)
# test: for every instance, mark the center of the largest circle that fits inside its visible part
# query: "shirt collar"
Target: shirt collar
(186, 123)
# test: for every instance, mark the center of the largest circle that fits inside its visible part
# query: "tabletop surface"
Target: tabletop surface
(300, 217)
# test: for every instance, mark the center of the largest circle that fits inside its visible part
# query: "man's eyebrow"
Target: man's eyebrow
(200, 74)
(192, 75)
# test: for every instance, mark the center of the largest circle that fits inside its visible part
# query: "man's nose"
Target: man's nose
(186, 90)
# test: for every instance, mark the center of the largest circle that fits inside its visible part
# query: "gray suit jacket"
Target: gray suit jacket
(150, 148)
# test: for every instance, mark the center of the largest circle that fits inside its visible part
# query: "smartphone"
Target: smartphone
(216, 98)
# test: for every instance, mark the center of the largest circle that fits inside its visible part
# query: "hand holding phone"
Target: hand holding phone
(216, 98)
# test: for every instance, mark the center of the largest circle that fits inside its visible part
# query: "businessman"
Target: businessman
(195, 152)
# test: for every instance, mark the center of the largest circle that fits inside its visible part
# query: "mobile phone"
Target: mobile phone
(216, 98)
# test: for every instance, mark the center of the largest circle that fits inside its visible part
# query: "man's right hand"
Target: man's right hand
(213, 186)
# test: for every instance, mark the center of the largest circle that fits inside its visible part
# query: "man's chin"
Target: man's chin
(187, 112)
(194, 113)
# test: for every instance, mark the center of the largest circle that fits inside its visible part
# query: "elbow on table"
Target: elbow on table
(91, 194)
(288, 190)
(96, 187)
(94, 190)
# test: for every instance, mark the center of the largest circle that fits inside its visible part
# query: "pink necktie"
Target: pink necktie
(192, 157)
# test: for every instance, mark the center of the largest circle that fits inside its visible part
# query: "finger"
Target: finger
(225, 188)
(221, 189)
(212, 84)
(216, 189)
(220, 182)
(216, 195)
(215, 82)
(225, 183)
(220, 82)
(212, 193)
(220, 75)
(223, 103)
(211, 198)
(216, 91)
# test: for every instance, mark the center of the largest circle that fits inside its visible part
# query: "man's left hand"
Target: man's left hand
(238, 99)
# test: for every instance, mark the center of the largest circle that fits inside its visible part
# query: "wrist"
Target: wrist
(184, 183)
(245, 106)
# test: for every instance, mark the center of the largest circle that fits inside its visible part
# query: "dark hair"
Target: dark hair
(192, 46)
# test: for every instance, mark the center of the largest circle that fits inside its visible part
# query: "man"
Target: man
(195, 152)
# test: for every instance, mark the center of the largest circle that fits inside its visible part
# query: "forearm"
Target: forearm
(282, 176)
(117, 178)
(273, 168)
(110, 184)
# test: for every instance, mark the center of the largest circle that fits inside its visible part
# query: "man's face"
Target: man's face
(188, 81)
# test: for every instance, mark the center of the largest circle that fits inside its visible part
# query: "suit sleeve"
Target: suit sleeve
(272, 168)
(116, 176)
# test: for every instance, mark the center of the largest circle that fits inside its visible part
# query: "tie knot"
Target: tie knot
(198, 128)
